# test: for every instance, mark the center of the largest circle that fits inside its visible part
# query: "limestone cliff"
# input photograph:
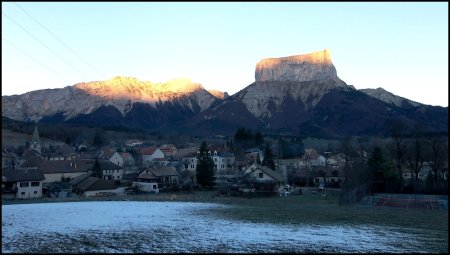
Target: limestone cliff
(299, 68)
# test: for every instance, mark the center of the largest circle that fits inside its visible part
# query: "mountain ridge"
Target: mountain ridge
(299, 95)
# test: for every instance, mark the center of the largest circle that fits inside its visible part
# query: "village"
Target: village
(136, 167)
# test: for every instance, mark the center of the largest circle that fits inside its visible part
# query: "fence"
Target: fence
(413, 201)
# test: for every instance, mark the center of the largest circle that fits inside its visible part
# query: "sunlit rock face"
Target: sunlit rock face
(299, 68)
(218, 94)
(119, 92)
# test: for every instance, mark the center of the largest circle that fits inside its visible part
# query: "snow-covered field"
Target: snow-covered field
(133, 227)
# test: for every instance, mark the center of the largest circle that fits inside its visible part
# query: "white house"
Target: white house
(110, 171)
(22, 183)
(222, 160)
(148, 154)
(168, 149)
(128, 160)
(133, 143)
(111, 155)
(189, 161)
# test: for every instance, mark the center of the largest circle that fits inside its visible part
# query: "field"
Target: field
(294, 209)
(169, 223)
(16, 139)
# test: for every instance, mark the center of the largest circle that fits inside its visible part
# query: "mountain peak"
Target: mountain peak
(306, 67)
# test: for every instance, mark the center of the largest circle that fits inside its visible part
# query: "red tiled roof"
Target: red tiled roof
(147, 150)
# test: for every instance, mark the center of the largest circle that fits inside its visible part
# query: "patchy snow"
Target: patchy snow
(130, 227)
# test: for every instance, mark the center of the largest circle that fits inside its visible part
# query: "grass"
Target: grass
(294, 209)
(313, 209)
(310, 209)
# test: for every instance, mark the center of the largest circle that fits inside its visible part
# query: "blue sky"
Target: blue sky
(402, 47)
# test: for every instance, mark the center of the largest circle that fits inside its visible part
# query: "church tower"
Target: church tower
(35, 142)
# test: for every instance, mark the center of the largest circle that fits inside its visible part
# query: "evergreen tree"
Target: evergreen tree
(268, 157)
(96, 170)
(205, 167)
(384, 178)
(97, 141)
(258, 139)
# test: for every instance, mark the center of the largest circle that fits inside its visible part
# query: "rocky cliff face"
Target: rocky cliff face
(302, 95)
(388, 97)
(302, 78)
(299, 68)
(218, 94)
(120, 92)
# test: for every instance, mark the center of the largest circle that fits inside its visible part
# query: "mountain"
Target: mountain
(303, 95)
(388, 97)
(294, 95)
(120, 101)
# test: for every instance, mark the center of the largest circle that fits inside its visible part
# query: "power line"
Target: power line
(57, 38)
(43, 44)
(37, 61)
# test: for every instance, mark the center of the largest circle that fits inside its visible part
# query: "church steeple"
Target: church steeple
(35, 141)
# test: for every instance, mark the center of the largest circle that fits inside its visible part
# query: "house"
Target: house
(63, 152)
(168, 150)
(151, 187)
(110, 154)
(133, 143)
(148, 154)
(189, 161)
(59, 170)
(334, 177)
(128, 160)
(223, 160)
(110, 171)
(335, 161)
(184, 152)
(260, 176)
(93, 186)
(146, 182)
(31, 162)
(22, 183)
(10, 160)
(166, 177)
(313, 158)
(159, 162)
(423, 173)
(75, 181)
(252, 154)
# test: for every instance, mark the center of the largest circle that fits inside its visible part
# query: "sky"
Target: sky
(401, 47)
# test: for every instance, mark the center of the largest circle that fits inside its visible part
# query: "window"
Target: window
(35, 184)
(24, 184)
(22, 193)
(261, 175)
(35, 192)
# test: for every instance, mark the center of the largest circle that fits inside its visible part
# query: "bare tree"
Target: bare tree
(415, 156)
(437, 145)
(399, 148)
